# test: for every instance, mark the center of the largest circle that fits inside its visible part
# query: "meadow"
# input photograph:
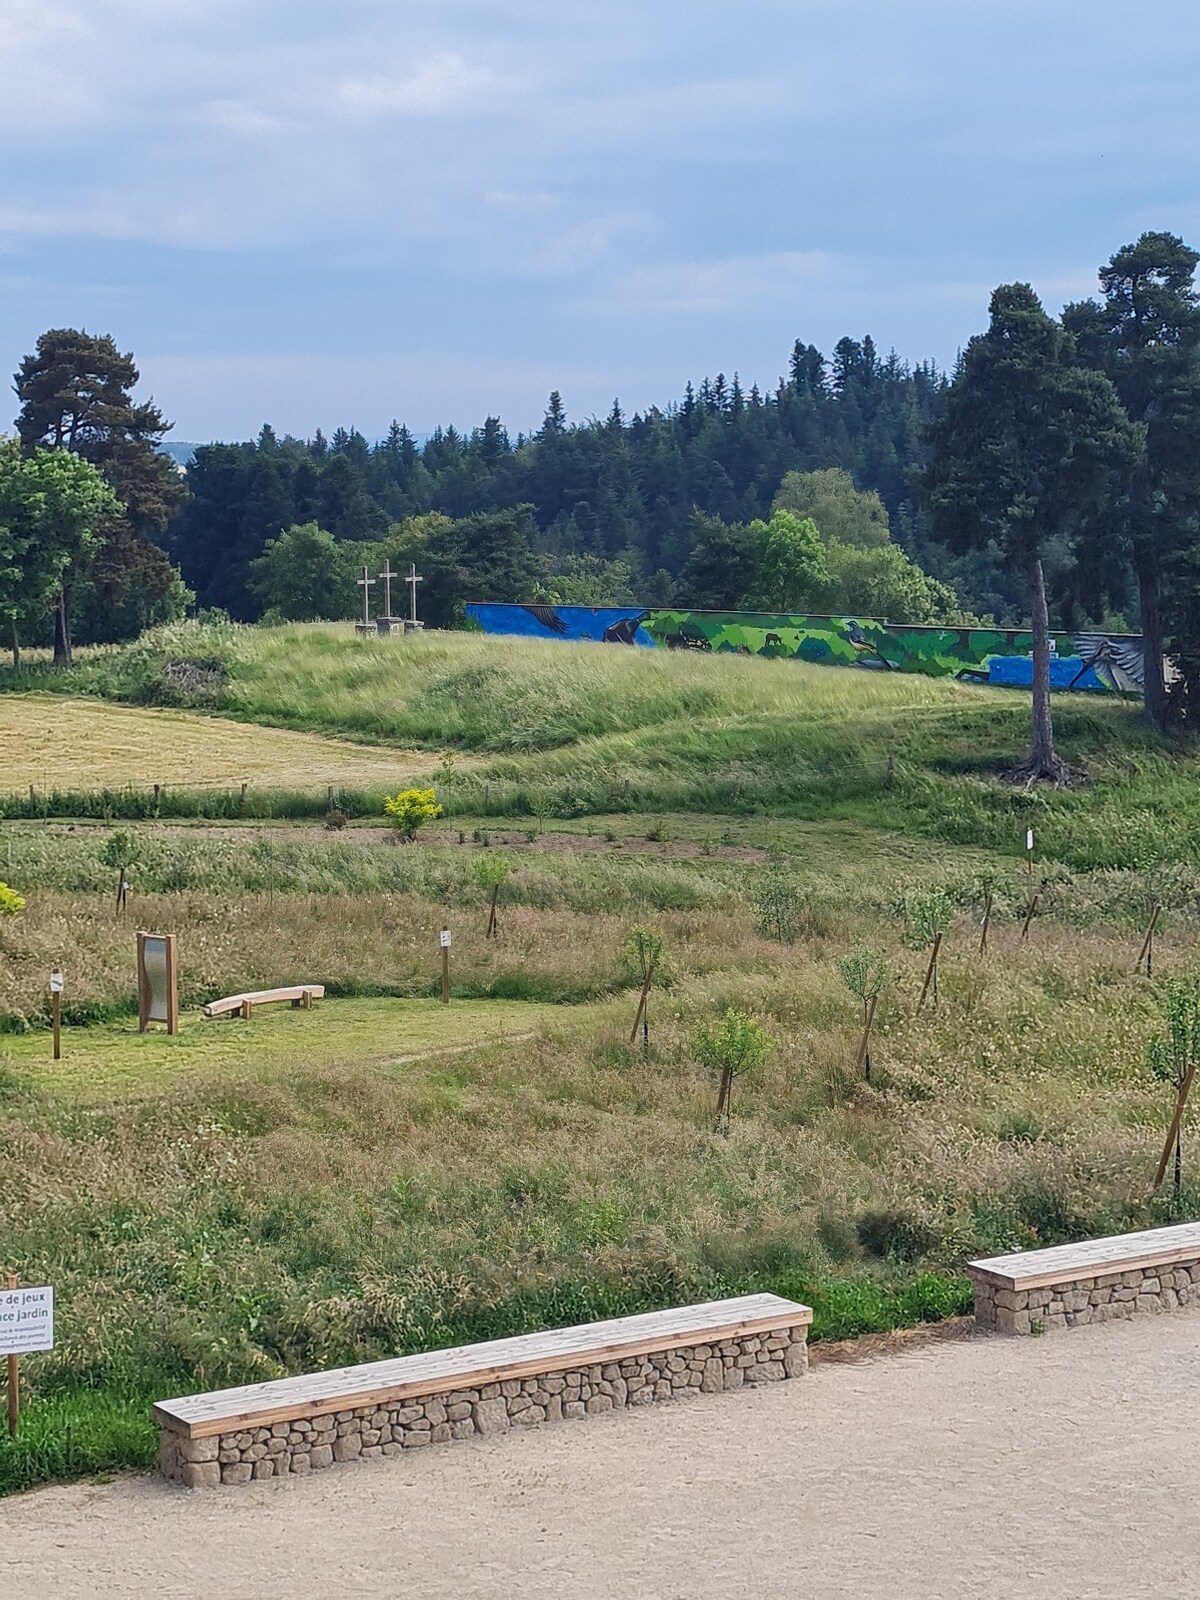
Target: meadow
(386, 1174)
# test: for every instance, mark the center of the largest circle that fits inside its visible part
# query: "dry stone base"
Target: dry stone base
(1100, 1299)
(308, 1444)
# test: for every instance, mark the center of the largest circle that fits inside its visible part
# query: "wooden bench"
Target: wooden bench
(242, 1005)
(294, 1425)
(1099, 1280)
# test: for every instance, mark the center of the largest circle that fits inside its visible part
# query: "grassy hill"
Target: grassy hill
(382, 1175)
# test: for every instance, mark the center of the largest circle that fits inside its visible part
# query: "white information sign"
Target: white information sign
(58, 983)
(445, 939)
(26, 1321)
(1029, 839)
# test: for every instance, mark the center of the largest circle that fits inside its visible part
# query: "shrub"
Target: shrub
(410, 809)
(779, 903)
(335, 820)
(10, 901)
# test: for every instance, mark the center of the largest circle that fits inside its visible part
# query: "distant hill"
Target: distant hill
(180, 450)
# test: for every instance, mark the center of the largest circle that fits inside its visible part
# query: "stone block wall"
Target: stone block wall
(307, 1444)
(1101, 1299)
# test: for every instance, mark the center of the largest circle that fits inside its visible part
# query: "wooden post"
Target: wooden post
(1146, 953)
(931, 971)
(725, 1096)
(1185, 1089)
(491, 927)
(1029, 918)
(14, 1381)
(649, 979)
(987, 922)
(862, 1061)
(56, 1023)
(445, 943)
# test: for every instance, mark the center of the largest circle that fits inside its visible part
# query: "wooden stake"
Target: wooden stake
(1146, 953)
(649, 979)
(445, 969)
(864, 1044)
(491, 927)
(987, 922)
(14, 1381)
(1185, 1089)
(1029, 918)
(931, 970)
(56, 1021)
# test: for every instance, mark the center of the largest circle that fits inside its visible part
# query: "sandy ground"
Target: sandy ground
(1056, 1467)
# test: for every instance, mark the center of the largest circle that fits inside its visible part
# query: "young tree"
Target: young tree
(1145, 336)
(735, 1045)
(53, 511)
(865, 974)
(491, 874)
(1174, 1056)
(76, 395)
(1025, 456)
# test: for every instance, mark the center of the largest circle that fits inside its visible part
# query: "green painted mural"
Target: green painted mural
(1086, 661)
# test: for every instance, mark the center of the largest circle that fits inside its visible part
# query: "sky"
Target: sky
(340, 213)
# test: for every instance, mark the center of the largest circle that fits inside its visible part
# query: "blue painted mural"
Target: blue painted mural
(1099, 662)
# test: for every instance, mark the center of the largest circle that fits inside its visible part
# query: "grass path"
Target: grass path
(54, 742)
(115, 1060)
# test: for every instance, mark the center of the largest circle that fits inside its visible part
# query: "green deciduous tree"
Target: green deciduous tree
(304, 575)
(1025, 457)
(787, 564)
(54, 509)
(1145, 335)
(841, 512)
(731, 1047)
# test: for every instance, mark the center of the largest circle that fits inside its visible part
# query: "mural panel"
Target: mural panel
(1109, 663)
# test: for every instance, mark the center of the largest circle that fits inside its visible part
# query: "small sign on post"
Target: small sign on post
(26, 1325)
(57, 985)
(444, 941)
(158, 989)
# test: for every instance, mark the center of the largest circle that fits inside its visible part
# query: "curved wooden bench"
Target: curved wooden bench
(294, 1425)
(242, 1005)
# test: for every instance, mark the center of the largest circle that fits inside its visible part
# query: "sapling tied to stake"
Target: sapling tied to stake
(927, 914)
(642, 958)
(120, 851)
(1173, 1056)
(491, 874)
(731, 1047)
(865, 974)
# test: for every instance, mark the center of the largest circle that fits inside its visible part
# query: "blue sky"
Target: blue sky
(344, 212)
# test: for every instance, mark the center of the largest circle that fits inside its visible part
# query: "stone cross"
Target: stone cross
(387, 575)
(413, 580)
(366, 583)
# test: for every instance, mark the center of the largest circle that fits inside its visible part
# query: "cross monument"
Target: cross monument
(366, 583)
(387, 575)
(413, 580)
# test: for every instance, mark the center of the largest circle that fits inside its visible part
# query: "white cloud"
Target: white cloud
(443, 83)
(725, 285)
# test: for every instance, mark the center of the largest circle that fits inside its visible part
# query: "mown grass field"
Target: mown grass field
(385, 1174)
(56, 743)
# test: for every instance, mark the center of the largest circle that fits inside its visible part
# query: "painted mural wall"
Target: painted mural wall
(1102, 662)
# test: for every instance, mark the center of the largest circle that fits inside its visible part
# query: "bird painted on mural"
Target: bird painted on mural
(548, 617)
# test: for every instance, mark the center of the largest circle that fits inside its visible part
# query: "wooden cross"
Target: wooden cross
(366, 583)
(413, 580)
(387, 575)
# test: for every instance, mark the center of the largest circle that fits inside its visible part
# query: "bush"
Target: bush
(410, 809)
(779, 904)
(10, 901)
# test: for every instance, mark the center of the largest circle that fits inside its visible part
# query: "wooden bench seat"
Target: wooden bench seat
(242, 1005)
(1097, 1280)
(292, 1425)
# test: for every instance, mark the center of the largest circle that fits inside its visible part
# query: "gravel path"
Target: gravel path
(1057, 1467)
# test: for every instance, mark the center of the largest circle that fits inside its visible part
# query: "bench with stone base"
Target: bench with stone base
(295, 1425)
(1100, 1280)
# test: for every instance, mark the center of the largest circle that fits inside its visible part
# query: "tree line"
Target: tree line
(1053, 474)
